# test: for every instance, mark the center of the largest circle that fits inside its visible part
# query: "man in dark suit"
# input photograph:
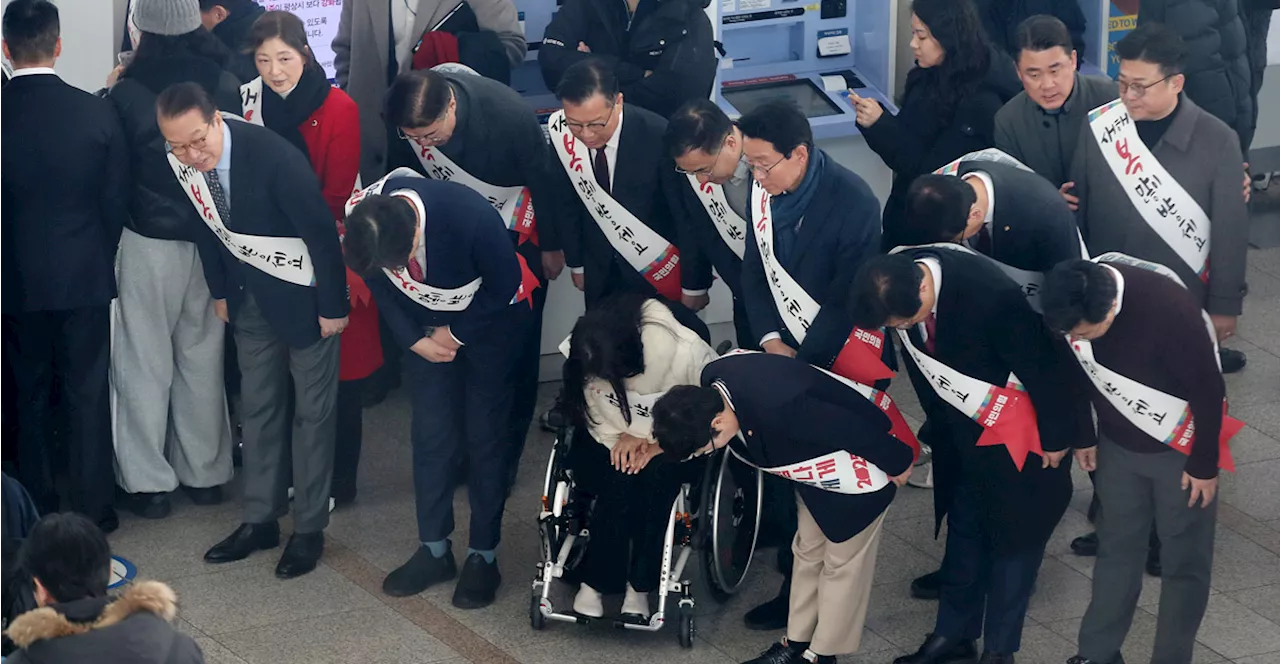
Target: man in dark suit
(274, 268)
(615, 223)
(1011, 215)
(813, 223)
(969, 334)
(65, 198)
(457, 295)
(710, 201)
(839, 451)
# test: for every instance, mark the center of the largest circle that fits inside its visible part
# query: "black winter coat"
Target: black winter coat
(920, 139)
(1001, 18)
(671, 38)
(158, 208)
(1219, 79)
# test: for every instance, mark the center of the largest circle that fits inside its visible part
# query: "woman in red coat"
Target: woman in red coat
(293, 98)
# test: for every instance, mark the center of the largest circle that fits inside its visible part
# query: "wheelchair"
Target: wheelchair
(713, 524)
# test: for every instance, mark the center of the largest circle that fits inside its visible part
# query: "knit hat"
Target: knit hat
(166, 17)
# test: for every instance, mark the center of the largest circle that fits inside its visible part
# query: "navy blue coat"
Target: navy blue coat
(465, 239)
(841, 230)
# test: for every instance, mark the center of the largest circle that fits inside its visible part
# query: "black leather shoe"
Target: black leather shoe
(996, 658)
(109, 522)
(779, 653)
(928, 586)
(209, 495)
(553, 420)
(149, 505)
(249, 537)
(1079, 659)
(941, 650)
(478, 583)
(422, 571)
(772, 615)
(1085, 545)
(300, 555)
(1153, 562)
(1232, 360)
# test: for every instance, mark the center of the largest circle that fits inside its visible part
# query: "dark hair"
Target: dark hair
(682, 419)
(585, 78)
(207, 6)
(180, 98)
(956, 26)
(1043, 32)
(199, 42)
(69, 555)
(416, 99)
(605, 344)
(698, 125)
(379, 234)
(31, 29)
(886, 286)
(1076, 291)
(779, 122)
(937, 208)
(1157, 44)
(283, 26)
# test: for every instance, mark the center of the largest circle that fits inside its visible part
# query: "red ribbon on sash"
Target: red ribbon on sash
(1008, 418)
(898, 424)
(528, 283)
(1184, 437)
(859, 358)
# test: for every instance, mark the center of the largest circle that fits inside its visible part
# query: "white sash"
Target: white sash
(840, 471)
(285, 258)
(989, 154)
(1166, 207)
(1029, 281)
(1164, 417)
(964, 393)
(643, 248)
(797, 308)
(641, 404)
(435, 299)
(510, 202)
(251, 101)
(731, 227)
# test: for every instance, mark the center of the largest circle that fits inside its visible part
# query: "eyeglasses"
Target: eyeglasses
(706, 170)
(432, 138)
(763, 171)
(1139, 89)
(593, 126)
(182, 148)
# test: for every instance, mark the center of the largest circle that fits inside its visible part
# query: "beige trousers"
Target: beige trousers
(831, 586)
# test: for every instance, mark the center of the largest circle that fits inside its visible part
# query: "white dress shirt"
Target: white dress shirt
(935, 269)
(32, 71)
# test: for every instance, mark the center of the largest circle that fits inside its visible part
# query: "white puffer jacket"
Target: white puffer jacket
(673, 355)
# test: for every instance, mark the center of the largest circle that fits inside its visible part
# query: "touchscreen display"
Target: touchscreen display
(801, 92)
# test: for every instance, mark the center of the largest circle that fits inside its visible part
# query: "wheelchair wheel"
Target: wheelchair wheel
(686, 630)
(536, 620)
(566, 515)
(731, 500)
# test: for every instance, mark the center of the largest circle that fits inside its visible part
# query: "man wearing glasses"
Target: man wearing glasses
(274, 268)
(615, 221)
(710, 200)
(479, 133)
(1159, 179)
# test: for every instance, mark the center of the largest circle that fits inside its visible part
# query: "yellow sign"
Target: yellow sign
(1122, 22)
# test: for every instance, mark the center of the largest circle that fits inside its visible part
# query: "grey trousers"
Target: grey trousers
(266, 363)
(1134, 488)
(169, 407)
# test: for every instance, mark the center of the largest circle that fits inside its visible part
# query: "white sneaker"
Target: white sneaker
(636, 603)
(588, 602)
(922, 477)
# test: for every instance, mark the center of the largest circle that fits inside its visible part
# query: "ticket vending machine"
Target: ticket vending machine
(808, 51)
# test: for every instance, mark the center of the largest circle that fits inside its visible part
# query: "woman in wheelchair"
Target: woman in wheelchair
(623, 355)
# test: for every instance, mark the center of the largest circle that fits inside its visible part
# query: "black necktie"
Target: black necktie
(602, 171)
(982, 241)
(219, 196)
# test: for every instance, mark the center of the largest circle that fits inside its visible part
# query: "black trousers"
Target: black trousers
(350, 437)
(985, 589)
(464, 407)
(527, 363)
(629, 522)
(73, 348)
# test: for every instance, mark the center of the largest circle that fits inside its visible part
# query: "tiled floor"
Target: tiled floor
(240, 613)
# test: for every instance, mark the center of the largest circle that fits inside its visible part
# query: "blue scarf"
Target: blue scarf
(788, 209)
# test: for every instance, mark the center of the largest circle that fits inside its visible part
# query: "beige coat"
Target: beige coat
(360, 59)
(673, 355)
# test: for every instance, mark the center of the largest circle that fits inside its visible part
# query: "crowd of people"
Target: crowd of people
(220, 259)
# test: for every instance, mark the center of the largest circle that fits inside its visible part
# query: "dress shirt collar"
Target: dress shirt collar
(935, 269)
(224, 162)
(32, 71)
(1119, 286)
